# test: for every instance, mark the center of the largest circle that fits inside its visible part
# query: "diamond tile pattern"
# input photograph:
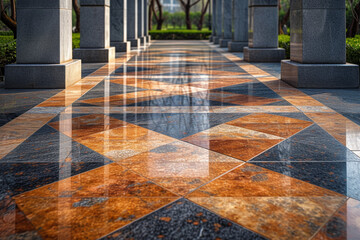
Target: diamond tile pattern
(180, 141)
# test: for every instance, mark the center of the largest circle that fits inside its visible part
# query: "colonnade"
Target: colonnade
(45, 56)
(318, 30)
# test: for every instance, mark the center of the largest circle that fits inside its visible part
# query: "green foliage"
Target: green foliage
(180, 34)
(4, 39)
(7, 33)
(76, 40)
(176, 21)
(353, 50)
(284, 42)
(7, 53)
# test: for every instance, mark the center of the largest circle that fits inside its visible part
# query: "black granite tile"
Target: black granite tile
(355, 117)
(49, 146)
(178, 101)
(13, 222)
(23, 177)
(311, 144)
(131, 69)
(99, 92)
(341, 177)
(252, 88)
(7, 117)
(183, 220)
(46, 145)
(178, 125)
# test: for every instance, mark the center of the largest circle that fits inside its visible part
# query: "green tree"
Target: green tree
(8, 14)
(186, 6)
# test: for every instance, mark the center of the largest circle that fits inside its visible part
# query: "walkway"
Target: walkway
(182, 141)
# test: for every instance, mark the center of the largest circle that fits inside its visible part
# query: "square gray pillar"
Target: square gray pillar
(263, 32)
(240, 26)
(219, 22)
(146, 21)
(118, 25)
(44, 46)
(213, 20)
(318, 50)
(132, 21)
(95, 32)
(227, 23)
(141, 22)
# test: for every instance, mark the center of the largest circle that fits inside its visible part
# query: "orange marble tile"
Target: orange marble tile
(140, 83)
(272, 124)
(218, 83)
(225, 73)
(180, 167)
(234, 141)
(338, 126)
(86, 125)
(13, 222)
(345, 224)
(247, 100)
(125, 99)
(270, 203)
(123, 142)
(92, 204)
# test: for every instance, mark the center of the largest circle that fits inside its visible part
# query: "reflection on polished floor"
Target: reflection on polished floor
(180, 141)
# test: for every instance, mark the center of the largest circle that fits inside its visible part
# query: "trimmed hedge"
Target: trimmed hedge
(8, 44)
(7, 50)
(284, 42)
(76, 40)
(180, 34)
(353, 50)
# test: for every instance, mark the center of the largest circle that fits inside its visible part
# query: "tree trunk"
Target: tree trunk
(187, 17)
(77, 13)
(187, 9)
(158, 15)
(354, 26)
(203, 13)
(9, 21)
(284, 21)
(150, 14)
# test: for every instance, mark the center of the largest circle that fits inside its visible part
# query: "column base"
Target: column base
(143, 41)
(224, 42)
(216, 40)
(95, 55)
(148, 40)
(135, 42)
(320, 75)
(121, 46)
(237, 46)
(263, 54)
(46, 76)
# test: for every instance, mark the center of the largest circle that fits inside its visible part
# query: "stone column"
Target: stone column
(146, 21)
(219, 22)
(141, 22)
(263, 32)
(213, 20)
(95, 32)
(132, 21)
(118, 25)
(227, 23)
(318, 50)
(44, 46)
(240, 26)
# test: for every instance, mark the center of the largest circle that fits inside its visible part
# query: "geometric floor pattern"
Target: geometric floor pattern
(180, 141)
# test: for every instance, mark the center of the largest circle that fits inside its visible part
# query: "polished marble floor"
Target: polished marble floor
(181, 140)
